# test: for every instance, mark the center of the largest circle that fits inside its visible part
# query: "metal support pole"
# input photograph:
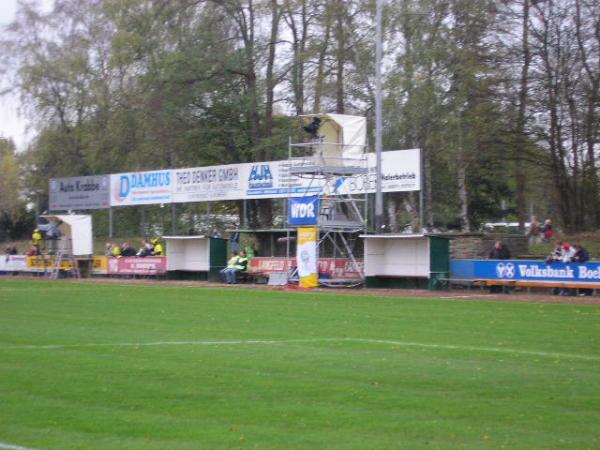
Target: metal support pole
(421, 196)
(173, 219)
(378, 118)
(110, 223)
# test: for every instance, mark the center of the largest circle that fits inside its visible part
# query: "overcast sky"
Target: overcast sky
(11, 124)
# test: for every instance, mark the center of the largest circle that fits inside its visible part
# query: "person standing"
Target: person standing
(499, 251)
(534, 232)
(582, 256)
(36, 238)
(547, 231)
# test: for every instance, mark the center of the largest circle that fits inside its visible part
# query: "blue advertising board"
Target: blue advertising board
(520, 270)
(304, 210)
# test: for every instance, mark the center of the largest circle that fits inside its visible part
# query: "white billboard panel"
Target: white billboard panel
(400, 172)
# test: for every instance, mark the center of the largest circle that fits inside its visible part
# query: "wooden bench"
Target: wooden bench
(528, 284)
(463, 282)
(253, 277)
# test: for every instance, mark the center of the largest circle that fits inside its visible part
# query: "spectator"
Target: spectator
(126, 250)
(234, 241)
(568, 253)
(146, 249)
(33, 251)
(547, 230)
(500, 251)
(231, 263)
(157, 249)
(581, 254)
(534, 232)
(235, 265)
(215, 233)
(115, 250)
(10, 251)
(36, 238)
(556, 254)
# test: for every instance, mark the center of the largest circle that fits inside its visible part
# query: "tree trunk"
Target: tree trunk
(521, 142)
(463, 197)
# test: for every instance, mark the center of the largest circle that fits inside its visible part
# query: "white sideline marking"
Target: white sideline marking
(13, 447)
(300, 341)
(479, 349)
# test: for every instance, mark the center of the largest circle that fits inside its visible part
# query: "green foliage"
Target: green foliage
(125, 85)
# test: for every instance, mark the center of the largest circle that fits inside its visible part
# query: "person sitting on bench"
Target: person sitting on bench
(237, 263)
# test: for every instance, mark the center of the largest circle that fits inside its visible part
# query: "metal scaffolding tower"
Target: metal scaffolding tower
(334, 168)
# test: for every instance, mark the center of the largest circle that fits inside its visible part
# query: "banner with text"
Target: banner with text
(524, 270)
(141, 188)
(304, 211)
(91, 192)
(149, 265)
(306, 257)
(401, 171)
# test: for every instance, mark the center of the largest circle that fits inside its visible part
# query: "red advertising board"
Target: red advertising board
(149, 265)
(339, 268)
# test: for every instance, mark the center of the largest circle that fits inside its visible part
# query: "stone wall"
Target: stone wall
(478, 245)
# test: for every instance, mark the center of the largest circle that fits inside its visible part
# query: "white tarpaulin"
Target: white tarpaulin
(344, 136)
(77, 228)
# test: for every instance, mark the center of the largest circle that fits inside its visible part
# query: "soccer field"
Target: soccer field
(107, 366)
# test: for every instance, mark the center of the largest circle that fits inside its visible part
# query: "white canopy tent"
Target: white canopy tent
(78, 229)
(344, 136)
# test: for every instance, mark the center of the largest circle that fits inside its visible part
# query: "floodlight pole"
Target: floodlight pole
(378, 117)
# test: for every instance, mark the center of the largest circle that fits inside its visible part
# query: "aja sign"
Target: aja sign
(304, 210)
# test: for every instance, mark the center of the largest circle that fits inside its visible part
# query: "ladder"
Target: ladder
(63, 254)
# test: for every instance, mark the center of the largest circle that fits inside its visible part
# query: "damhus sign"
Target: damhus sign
(141, 188)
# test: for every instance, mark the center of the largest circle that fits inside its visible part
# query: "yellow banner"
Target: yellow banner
(306, 257)
(100, 264)
(46, 263)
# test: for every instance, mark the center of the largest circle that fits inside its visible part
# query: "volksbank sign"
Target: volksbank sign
(524, 270)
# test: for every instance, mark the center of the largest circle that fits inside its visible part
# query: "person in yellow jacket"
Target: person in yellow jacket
(36, 238)
(158, 249)
(115, 251)
(237, 263)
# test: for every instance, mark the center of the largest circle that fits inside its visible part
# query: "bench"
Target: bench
(253, 277)
(463, 282)
(528, 284)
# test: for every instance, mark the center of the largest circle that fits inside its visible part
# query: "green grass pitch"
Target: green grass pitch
(107, 366)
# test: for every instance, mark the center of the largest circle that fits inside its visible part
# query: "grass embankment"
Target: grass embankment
(109, 366)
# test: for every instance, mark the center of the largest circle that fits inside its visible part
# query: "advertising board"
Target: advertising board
(91, 192)
(141, 188)
(13, 263)
(303, 210)
(339, 268)
(271, 179)
(150, 265)
(521, 270)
